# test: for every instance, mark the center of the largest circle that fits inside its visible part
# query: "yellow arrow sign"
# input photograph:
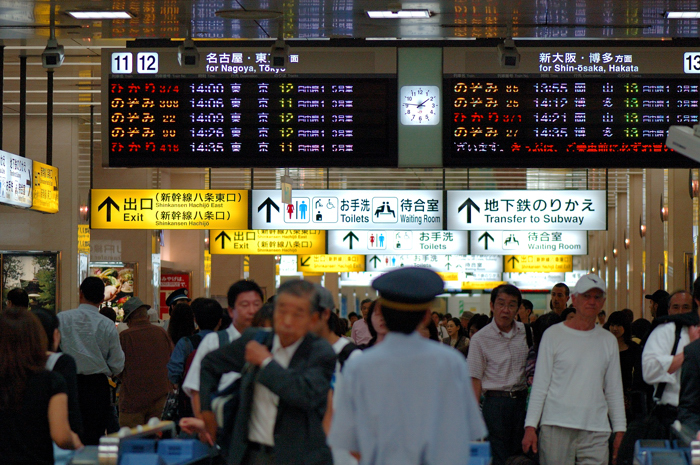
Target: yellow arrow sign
(267, 242)
(330, 263)
(168, 209)
(538, 263)
(480, 285)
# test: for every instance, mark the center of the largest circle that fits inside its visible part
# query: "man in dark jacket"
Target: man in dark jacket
(284, 385)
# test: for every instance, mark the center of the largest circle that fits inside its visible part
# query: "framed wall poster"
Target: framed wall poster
(120, 282)
(35, 272)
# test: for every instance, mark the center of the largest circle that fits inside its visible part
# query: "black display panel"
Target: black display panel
(252, 122)
(566, 122)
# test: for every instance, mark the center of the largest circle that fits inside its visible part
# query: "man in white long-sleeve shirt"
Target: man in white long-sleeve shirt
(658, 365)
(577, 391)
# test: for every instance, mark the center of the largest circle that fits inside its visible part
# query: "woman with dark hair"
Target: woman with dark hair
(181, 322)
(376, 325)
(455, 337)
(33, 401)
(476, 323)
(630, 360)
(568, 314)
(263, 317)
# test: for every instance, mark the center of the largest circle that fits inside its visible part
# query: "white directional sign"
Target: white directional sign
(349, 209)
(481, 267)
(15, 180)
(523, 210)
(530, 242)
(396, 242)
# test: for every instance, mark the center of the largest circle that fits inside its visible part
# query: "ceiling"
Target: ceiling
(25, 28)
(547, 19)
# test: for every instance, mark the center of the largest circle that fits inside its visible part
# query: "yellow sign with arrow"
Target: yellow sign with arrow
(538, 263)
(168, 209)
(330, 263)
(267, 242)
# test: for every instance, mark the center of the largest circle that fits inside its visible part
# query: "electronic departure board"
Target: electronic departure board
(566, 121)
(271, 121)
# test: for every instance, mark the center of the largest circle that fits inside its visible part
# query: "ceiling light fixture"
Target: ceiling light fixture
(112, 14)
(398, 14)
(682, 15)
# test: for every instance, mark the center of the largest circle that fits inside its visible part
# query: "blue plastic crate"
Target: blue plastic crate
(666, 457)
(137, 446)
(135, 458)
(181, 451)
(479, 450)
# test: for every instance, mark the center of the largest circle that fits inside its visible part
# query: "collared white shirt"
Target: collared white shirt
(209, 344)
(657, 358)
(92, 340)
(263, 415)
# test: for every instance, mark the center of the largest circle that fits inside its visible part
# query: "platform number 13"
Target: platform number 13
(691, 62)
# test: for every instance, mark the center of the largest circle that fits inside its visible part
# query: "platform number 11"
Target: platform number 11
(122, 63)
(691, 62)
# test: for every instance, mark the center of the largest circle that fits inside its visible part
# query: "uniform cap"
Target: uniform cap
(658, 296)
(409, 289)
(176, 295)
(588, 282)
(131, 305)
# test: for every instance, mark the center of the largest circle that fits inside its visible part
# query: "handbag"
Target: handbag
(171, 407)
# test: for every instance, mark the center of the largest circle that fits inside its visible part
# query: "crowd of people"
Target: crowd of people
(288, 381)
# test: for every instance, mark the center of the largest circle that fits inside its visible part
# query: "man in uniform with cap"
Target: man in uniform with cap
(392, 408)
(659, 303)
(178, 296)
(577, 391)
(147, 349)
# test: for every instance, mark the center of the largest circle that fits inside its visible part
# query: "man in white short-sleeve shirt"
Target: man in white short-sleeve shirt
(244, 299)
(577, 391)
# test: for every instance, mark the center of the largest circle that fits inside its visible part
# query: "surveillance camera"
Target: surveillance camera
(187, 54)
(52, 56)
(508, 54)
(685, 141)
(278, 54)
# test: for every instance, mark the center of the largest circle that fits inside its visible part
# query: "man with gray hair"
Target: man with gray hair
(577, 391)
(285, 378)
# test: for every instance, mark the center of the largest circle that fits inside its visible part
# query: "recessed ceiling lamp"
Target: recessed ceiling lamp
(252, 15)
(682, 14)
(100, 14)
(398, 14)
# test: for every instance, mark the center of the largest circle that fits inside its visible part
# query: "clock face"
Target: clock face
(420, 105)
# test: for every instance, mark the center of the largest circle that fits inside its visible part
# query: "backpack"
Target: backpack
(184, 404)
(345, 352)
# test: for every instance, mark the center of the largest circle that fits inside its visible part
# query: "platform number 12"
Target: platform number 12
(691, 62)
(122, 63)
(147, 63)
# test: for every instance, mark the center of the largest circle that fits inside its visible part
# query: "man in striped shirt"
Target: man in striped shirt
(497, 356)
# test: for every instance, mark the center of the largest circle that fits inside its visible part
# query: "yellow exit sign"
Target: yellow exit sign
(330, 263)
(480, 285)
(538, 263)
(168, 209)
(266, 242)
